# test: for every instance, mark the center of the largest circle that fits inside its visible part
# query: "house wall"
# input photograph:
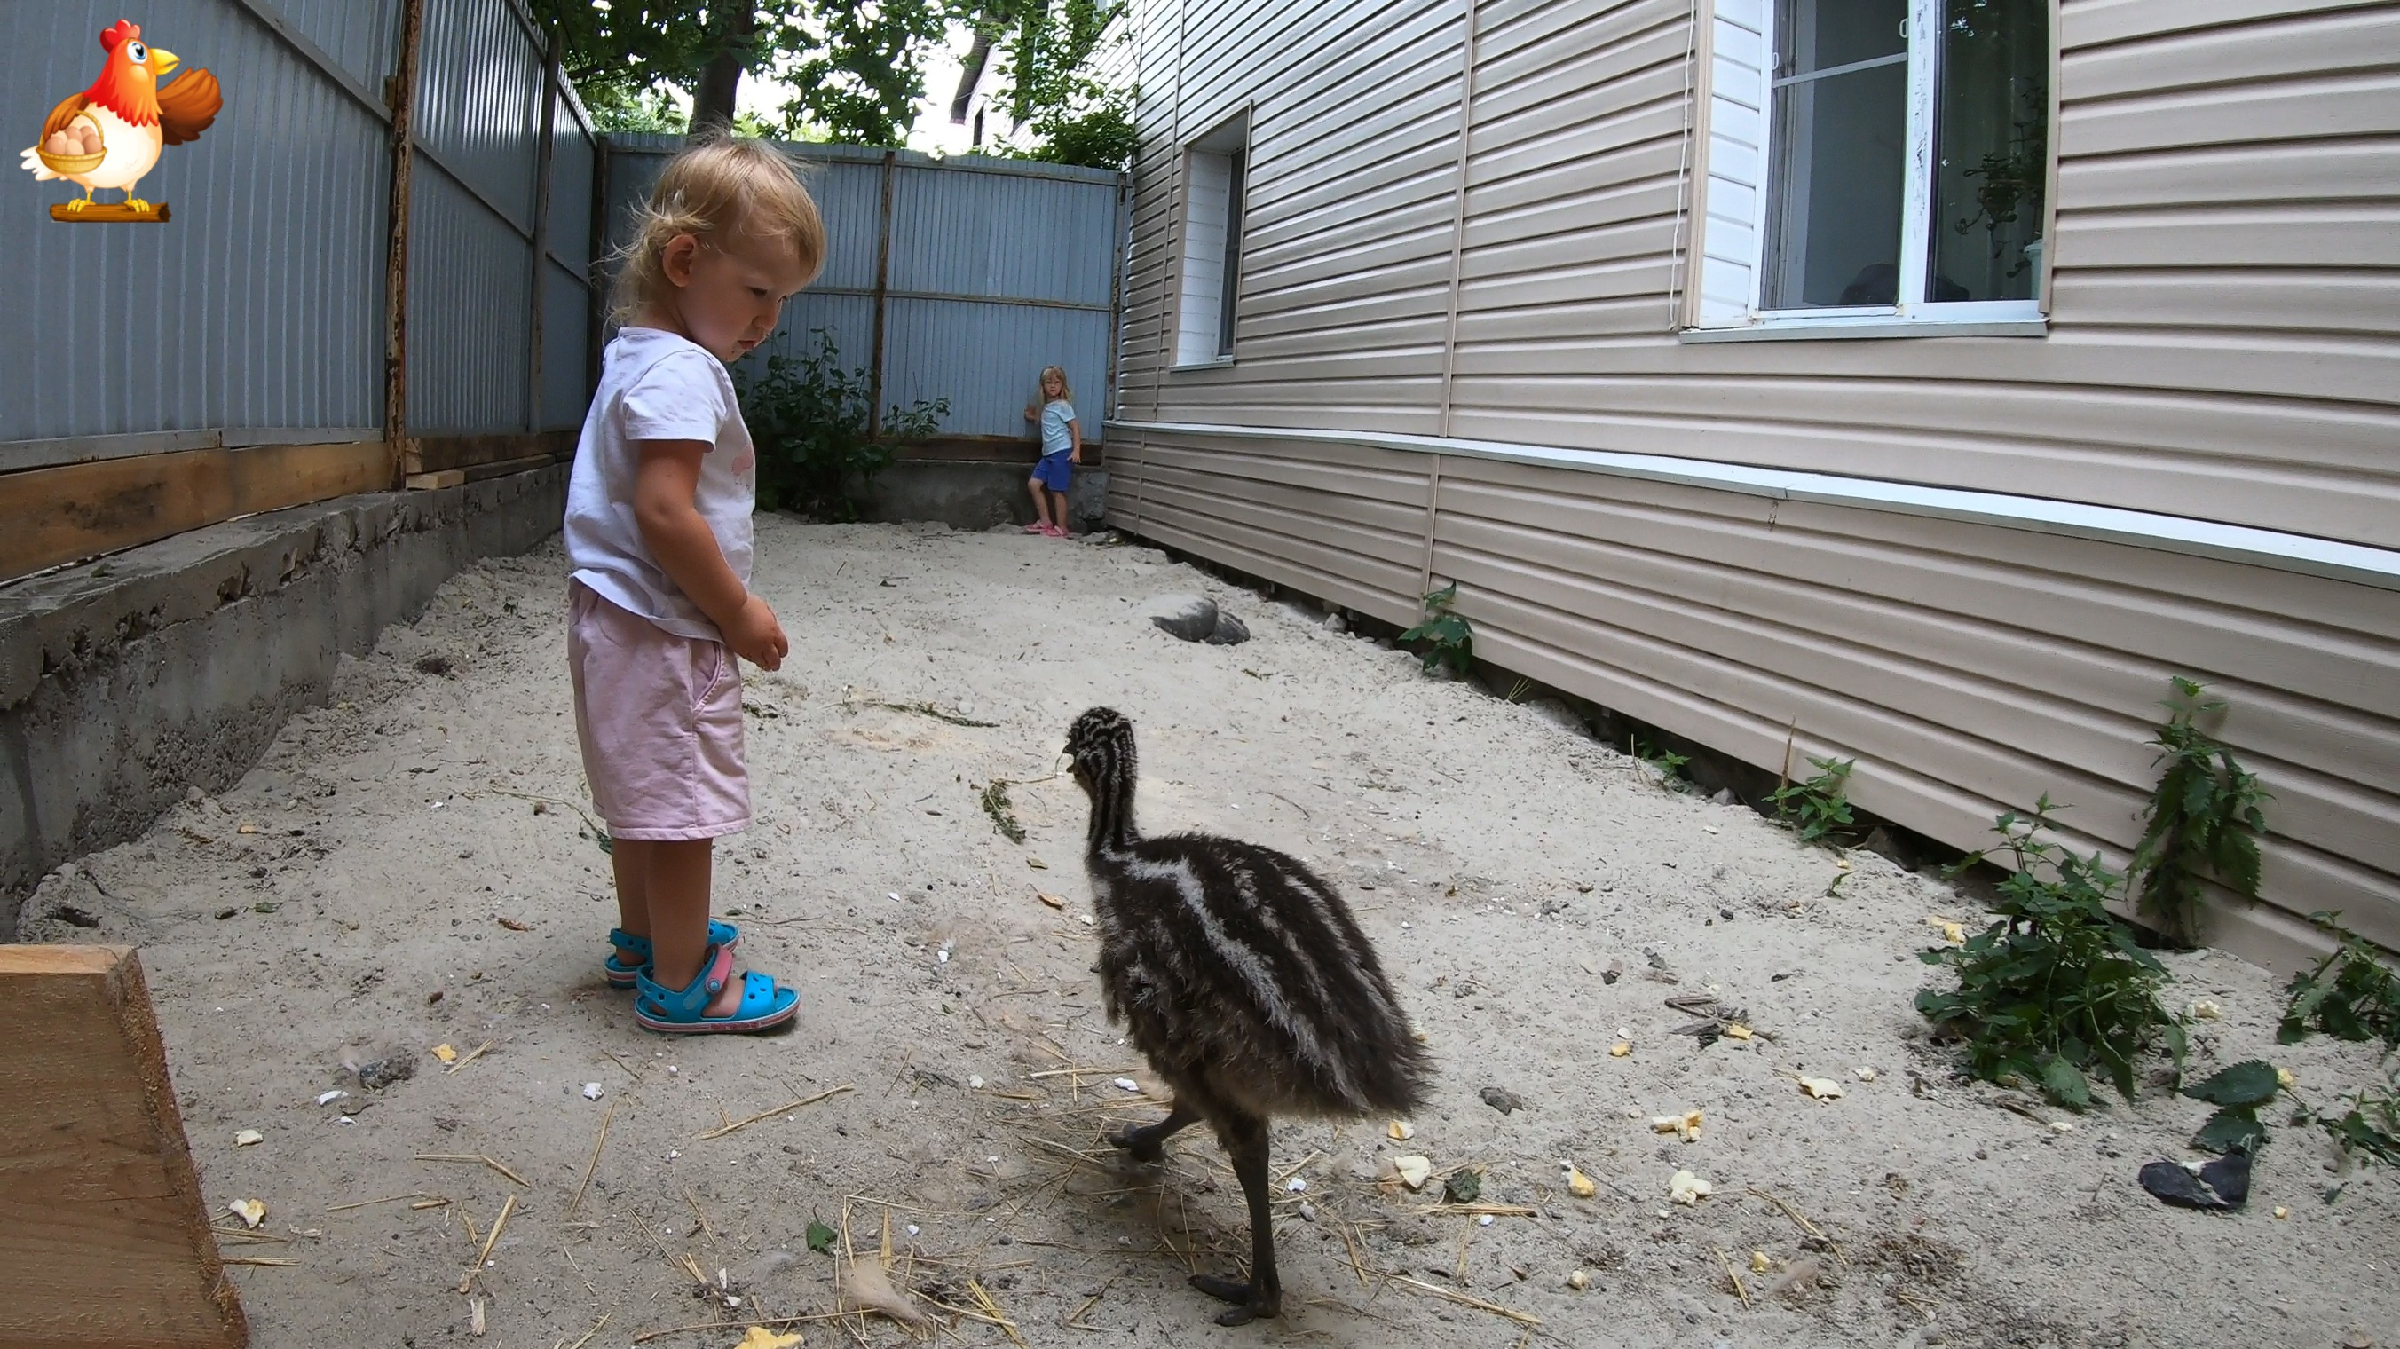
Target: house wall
(2225, 296)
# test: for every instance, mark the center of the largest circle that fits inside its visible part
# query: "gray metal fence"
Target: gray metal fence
(257, 315)
(955, 279)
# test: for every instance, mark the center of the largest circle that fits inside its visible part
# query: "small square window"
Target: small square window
(1213, 178)
(1873, 162)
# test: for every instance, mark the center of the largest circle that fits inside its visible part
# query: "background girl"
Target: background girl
(1062, 445)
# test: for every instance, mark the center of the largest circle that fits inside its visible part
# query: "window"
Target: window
(1875, 162)
(1212, 243)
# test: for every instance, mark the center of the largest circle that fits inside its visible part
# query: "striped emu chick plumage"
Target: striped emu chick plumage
(1243, 979)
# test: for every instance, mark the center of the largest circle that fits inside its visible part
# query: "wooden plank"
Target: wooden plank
(433, 454)
(102, 1228)
(433, 482)
(83, 510)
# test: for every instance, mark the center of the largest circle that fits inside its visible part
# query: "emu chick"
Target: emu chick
(1243, 978)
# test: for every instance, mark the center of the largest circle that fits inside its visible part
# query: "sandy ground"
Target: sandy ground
(392, 878)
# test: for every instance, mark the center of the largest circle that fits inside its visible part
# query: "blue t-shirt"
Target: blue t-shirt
(1055, 416)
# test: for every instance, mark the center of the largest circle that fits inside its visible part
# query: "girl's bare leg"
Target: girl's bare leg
(676, 886)
(630, 859)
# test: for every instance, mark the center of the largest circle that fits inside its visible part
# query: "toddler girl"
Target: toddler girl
(658, 535)
(1062, 445)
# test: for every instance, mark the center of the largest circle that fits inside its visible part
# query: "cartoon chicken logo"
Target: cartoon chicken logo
(111, 134)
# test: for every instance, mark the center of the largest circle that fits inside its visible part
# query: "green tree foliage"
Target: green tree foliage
(1048, 50)
(859, 68)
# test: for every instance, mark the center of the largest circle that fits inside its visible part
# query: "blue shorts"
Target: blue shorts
(1052, 471)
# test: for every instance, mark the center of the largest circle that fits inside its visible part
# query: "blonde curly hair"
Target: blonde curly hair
(718, 186)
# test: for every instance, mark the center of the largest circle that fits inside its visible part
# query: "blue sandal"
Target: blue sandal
(680, 1011)
(621, 972)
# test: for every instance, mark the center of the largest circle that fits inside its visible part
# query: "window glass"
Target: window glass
(1230, 279)
(1836, 184)
(1991, 151)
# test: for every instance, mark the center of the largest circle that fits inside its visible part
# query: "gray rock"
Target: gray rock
(1192, 618)
(1230, 631)
(1724, 796)
(1334, 622)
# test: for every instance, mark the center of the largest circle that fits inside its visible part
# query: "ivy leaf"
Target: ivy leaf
(820, 1238)
(2251, 1082)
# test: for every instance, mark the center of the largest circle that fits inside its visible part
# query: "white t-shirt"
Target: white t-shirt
(655, 385)
(1055, 416)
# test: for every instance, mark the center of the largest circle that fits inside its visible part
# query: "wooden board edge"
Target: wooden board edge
(138, 1020)
(69, 512)
(435, 454)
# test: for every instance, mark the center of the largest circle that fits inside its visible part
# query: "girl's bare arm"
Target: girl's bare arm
(665, 488)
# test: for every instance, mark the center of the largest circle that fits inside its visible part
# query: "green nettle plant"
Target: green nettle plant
(2351, 995)
(1449, 639)
(810, 418)
(2055, 991)
(1815, 808)
(2205, 821)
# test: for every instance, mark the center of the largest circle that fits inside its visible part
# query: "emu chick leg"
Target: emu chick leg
(1245, 1137)
(1148, 1143)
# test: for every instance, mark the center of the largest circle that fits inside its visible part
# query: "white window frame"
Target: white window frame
(1208, 269)
(1729, 212)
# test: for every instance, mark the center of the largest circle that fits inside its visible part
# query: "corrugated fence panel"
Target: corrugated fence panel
(995, 269)
(566, 347)
(257, 307)
(470, 336)
(574, 158)
(479, 101)
(1046, 236)
(471, 278)
(362, 36)
(987, 360)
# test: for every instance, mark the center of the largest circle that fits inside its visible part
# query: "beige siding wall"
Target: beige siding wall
(2225, 309)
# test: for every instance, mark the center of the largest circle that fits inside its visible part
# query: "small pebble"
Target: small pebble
(976, 1083)
(1484, 1221)
(1128, 1084)
(591, 1091)
(1296, 1184)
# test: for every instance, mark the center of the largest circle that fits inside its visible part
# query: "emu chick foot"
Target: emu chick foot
(1248, 1304)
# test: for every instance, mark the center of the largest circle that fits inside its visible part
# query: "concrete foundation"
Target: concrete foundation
(978, 494)
(125, 681)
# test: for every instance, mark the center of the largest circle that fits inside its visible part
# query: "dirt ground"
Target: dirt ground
(409, 869)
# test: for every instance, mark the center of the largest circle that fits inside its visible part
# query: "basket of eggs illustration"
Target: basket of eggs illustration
(74, 148)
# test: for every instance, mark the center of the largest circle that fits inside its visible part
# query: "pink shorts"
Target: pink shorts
(660, 720)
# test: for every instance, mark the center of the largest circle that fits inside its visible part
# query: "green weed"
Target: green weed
(2351, 995)
(1449, 639)
(1665, 762)
(810, 419)
(2204, 821)
(2055, 991)
(1815, 808)
(1004, 816)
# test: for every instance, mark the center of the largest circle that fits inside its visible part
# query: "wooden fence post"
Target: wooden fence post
(541, 226)
(883, 278)
(403, 88)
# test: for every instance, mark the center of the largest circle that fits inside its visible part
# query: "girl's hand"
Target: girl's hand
(756, 636)
(1076, 457)
(1031, 412)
